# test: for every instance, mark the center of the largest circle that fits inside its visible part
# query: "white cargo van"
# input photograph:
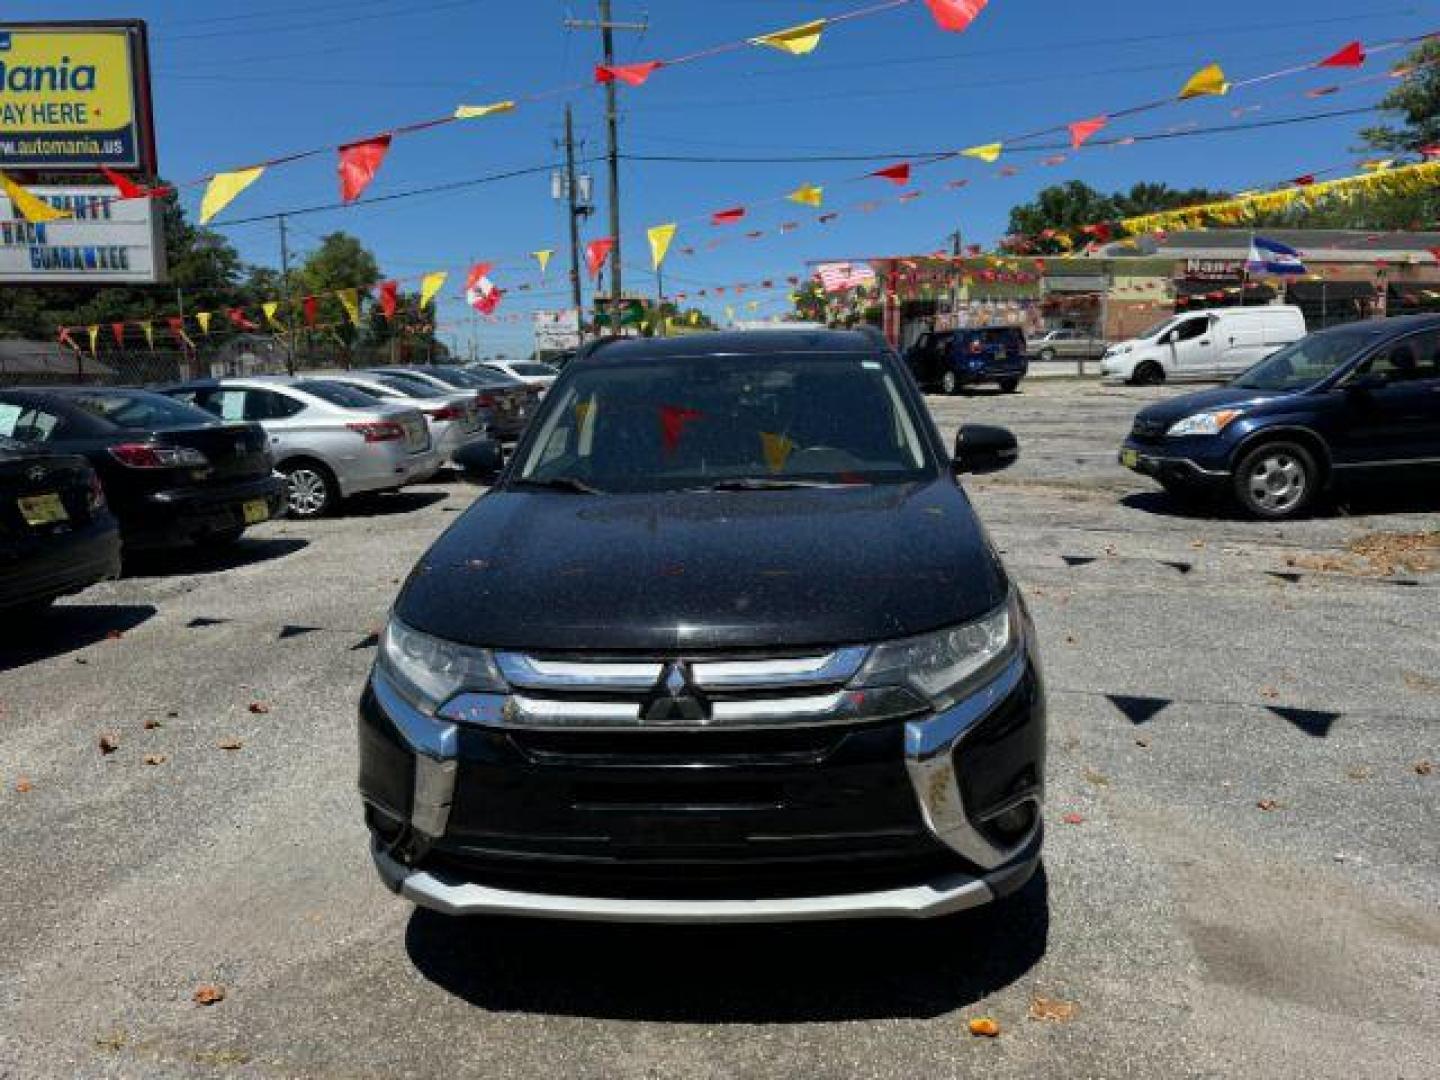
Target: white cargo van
(1204, 344)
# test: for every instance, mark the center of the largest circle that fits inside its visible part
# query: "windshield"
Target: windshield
(1156, 330)
(410, 387)
(693, 423)
(1308, 360)
(342, 394)
(142, 410)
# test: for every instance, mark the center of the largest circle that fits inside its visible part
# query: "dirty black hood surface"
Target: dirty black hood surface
(553, 571)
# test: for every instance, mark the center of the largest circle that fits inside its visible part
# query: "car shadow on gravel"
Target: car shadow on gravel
(247, 551)
(783, 973)
(400, 502)
(66, 628)
(1375, 500)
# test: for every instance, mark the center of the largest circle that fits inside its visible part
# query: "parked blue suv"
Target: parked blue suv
(1345, 405)
(949, 360)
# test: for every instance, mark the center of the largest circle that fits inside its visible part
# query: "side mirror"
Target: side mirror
(980, 448)
(479, 460)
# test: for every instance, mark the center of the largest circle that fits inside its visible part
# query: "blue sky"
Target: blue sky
(239, 82)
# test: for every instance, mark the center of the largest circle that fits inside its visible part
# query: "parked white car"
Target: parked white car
(1204, 344)
(530, 372)
(329, 441)
(454, 418)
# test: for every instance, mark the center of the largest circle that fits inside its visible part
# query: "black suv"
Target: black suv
(724, 642)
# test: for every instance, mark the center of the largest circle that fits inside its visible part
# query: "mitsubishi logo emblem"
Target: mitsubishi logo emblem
(674, 699)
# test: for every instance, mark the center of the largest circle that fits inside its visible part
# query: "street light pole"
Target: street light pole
(574, 211)
(285, 299)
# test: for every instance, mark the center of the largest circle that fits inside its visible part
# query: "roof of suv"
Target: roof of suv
(732, 343)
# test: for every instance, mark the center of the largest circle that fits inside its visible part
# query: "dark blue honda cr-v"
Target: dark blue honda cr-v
(1343, 405)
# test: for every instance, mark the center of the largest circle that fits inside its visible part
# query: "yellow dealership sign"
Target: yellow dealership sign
(74, 96)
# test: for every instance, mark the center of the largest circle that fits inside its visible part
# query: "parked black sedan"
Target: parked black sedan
(56, 534)
(171, 473)
(1354, 404)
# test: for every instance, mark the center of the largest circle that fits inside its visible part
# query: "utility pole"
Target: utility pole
(285, 299)
(612, 125)
(574, 210)
(955, 241)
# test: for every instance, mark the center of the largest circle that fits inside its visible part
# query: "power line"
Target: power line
(410, 11)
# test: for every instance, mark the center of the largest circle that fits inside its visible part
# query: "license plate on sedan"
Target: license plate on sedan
(43, 509)
(255, 511)
(1130, 459)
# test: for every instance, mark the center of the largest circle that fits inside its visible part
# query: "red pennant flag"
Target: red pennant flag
(727, 217)
(66, 339)
(389, 298)
(673, 419)
(478, 271)
(596, 252)
(1304, 181)
(359, 161)
(1431, 152)
(630, 74)
(127, 188)
(1081, 130)
(118, 330)
(896, 174)
(237, 316)
(311, 307)
(955, 15)
(177, 328)
(1101, 232)
(1351, 56)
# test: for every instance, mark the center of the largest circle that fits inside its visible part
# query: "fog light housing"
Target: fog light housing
(1011, 824)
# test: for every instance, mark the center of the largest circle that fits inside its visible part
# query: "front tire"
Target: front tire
(1276, 480)
(310, 489)
(949, 384)
(1148, 374)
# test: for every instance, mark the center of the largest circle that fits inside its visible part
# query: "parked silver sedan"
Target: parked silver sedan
(329, 441)
(454, 418)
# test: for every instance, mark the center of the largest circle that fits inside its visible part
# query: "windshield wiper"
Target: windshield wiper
(560, 483)
(760, 483)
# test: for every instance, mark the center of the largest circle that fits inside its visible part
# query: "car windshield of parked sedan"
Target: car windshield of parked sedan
(141, 410)
(1309, 360)
(341, 394)
(734, 422)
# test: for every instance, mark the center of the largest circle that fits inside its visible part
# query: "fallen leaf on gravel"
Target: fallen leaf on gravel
(173, 713)
(1197, 544)
(152, 724)
(1387, 552)
(1268, 804)
(1070, 639)
(1099, 779)
(984, 1025)
(1072, 819)
(154, 759)
(114, 1041)
(109, 742)
(209, 994)
(1358, 772)
(23, 785)
(1051, 1009)
(259, 708)
(1414, 681)
(1111, 549)
(1269, 692)
(230, 744)
(1424, 768)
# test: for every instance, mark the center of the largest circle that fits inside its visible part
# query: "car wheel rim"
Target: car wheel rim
(1277, 482)
(308, 492)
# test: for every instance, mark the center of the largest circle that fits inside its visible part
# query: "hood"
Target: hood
(1221, 397)
(703, 570)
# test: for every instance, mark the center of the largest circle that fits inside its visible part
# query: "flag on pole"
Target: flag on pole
(1273, 257)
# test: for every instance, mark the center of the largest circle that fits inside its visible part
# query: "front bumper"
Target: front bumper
(891, 819)
(40, 568)
(1177, 466)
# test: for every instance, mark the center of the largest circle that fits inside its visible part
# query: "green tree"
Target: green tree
(340, 262)
(1417, 101)
(1065, 210)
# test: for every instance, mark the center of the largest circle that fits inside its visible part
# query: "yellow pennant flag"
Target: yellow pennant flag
(988, 153)
(223, 188)
(808, 195)
(270, 307)
(431, 284)
(777, 450)
(1373, 165)
(474, 112)
(660, 237)
(203, 318)
(543, 258)
(28, 206)
(1208, 80)
(149, 332)
(795, 40)
(94, 332)
(350, 301)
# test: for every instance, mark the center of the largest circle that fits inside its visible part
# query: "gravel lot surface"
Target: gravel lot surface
(1198, 667)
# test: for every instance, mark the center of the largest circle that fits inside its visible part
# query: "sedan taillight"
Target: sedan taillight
(379, 431)
(447, 412)
(486, 401)
(150, 456)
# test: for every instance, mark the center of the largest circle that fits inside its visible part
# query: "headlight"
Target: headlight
(1205, 423)
(428, 671)
(946, 665)
(1118, 350)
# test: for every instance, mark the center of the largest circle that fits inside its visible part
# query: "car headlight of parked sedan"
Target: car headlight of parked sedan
(1205, 423)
